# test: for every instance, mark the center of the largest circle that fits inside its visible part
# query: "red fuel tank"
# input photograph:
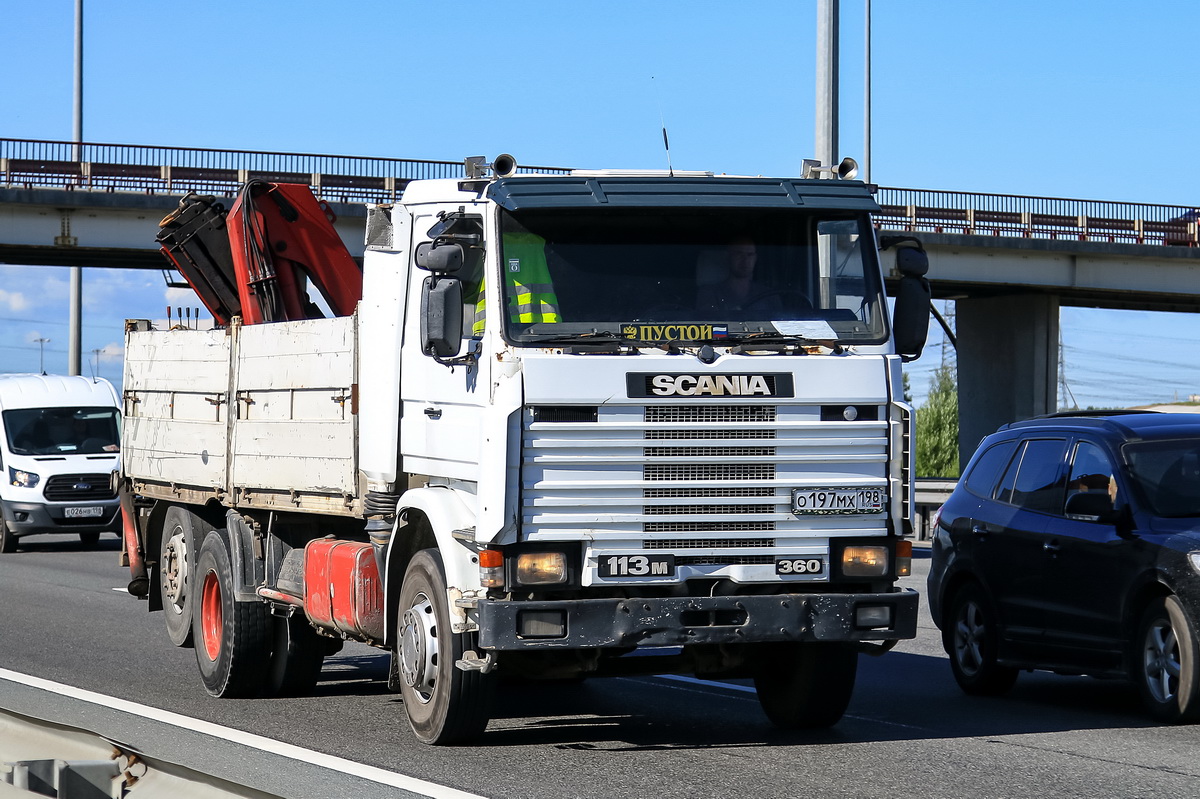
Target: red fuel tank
(342, 589)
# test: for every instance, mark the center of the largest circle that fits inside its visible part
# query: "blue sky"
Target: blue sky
(1086, 100)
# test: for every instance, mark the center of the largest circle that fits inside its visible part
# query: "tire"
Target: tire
(805, 686)
(445, 705)
(971, 636)
(233, 643)
(1166, 662)
(297, 654)
(182, 533)
(8, 539)
(89, 539)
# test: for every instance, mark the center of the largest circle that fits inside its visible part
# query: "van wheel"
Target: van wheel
(805, 685)
(8, 539)
(182, 533)
(1166, 664)
(89, 539)
(971, 636)
(233, 644)
(445, 705)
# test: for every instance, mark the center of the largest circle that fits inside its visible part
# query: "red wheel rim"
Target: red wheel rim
(211, 616)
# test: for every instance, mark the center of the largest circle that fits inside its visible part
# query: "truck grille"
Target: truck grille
(77, 488)
(659, 476)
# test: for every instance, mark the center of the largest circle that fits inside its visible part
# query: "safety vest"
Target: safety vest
(527, 279)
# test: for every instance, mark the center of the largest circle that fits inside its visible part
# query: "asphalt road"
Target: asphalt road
(909, 732)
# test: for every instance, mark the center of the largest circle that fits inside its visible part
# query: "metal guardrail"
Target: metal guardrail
(92, 166)
(1010, 215)
(178, 170)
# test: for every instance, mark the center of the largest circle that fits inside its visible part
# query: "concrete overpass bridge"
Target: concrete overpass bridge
(1009, 262)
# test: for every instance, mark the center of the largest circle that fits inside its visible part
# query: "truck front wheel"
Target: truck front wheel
(233, 644)
(805, 685)
(445, 705)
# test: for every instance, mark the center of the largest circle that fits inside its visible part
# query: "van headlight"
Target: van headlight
(1194, 559)
(22, 479)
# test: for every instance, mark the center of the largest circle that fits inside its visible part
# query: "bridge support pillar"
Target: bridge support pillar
(1007, 363)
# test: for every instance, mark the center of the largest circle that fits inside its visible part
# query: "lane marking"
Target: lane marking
(749, 690)
(332, 762)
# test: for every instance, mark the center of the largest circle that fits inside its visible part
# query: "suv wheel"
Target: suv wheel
(971, 637)
(1165, 662)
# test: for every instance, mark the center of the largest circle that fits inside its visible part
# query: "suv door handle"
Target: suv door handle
(1052, 547)
(433, 413)
(979, 529)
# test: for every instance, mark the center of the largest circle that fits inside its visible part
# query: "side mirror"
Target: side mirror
(912, 261)
(441, 316)
(444, 257)
(910, 319)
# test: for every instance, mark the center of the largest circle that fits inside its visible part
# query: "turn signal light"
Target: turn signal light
(491, 568)
(903, 558)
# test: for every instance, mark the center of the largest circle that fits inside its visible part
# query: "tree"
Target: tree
(937, 427)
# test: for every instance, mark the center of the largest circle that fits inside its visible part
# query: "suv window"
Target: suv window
(1091, 471)
(986, 470)
(1034, 479)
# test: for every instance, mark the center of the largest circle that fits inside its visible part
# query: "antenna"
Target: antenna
(663, 121)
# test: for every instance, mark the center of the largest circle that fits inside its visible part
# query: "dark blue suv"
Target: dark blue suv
(1072, 544)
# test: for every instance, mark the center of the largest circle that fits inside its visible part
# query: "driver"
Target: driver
(739, 293)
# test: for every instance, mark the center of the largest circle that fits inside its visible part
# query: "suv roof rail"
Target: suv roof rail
(1092, 413)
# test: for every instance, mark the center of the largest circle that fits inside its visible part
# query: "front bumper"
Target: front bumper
(677, 621)
(28, 518)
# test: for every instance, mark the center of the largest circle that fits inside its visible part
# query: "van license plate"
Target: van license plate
(838, 500)
(84, 513)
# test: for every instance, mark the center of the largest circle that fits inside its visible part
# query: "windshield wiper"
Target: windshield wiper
(750, 341)
(596, 341)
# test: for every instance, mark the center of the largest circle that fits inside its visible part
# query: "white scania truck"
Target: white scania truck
(574, 418)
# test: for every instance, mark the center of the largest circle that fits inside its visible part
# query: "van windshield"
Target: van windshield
(57, 431)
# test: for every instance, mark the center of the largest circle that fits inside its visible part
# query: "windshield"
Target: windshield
(1168, 473)
(56, 431)
(700, 275)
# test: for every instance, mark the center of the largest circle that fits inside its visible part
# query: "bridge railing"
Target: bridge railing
(339, 178)
(178, 170)
(1010, 215)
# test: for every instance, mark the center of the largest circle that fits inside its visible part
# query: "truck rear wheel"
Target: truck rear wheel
(804, 685)
(233, 645)
(181, 536)
(296, 657)
(445, 705)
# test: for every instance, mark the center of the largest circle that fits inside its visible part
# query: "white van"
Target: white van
(59, 443)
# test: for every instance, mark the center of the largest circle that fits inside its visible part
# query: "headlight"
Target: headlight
(541, 568)
(17, 477)
(865, 561)
(1194, 559)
